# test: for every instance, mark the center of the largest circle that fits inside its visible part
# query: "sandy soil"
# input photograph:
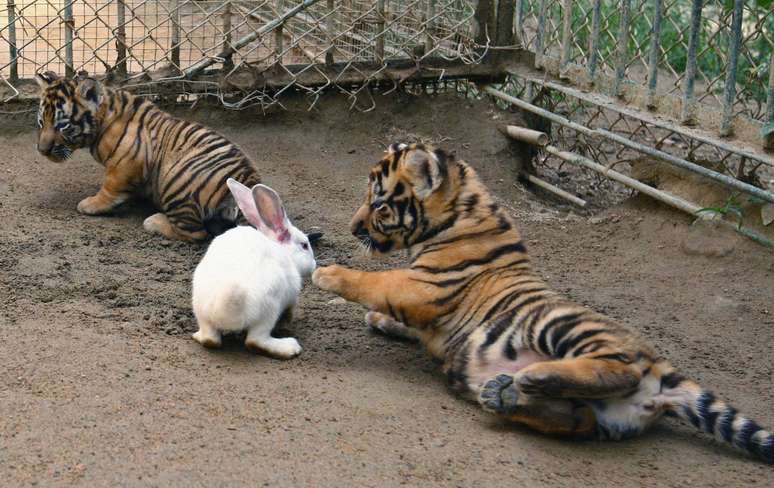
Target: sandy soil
(101, 384)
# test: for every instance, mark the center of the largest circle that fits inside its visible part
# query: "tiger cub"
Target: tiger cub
(472, 297)
(181, 166)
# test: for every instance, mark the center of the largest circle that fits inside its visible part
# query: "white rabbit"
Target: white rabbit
(250, 277)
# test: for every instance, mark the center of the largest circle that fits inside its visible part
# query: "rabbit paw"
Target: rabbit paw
(329, 278)
(208, 339)
(284, 348)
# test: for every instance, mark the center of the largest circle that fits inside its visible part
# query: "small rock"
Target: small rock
(767, 213)
(337, 301)
(707, 238)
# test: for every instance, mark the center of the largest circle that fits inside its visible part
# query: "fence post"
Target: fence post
(12, 41)
(504, 39)
(770, 95)
(228, 62)
(175, 40)
(430, 26)
(518, 21)
(485, 18)
(596, 21)
(655, 46)
(541, 32)
(380, 31)
(329, 27)
(121, 38)
(688, 115)
(623, 47)
(68, 27)
(278, 43)
(729, 90)
(566, 37)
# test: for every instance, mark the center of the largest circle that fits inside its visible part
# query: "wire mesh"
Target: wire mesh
(540, 22)
(158, 42)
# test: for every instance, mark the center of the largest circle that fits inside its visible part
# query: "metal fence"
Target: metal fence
(261, 47)
(688, 83)
(701, 56)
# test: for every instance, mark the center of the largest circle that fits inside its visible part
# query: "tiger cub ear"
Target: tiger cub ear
(44, 80)
(427, 170)
(91, 90)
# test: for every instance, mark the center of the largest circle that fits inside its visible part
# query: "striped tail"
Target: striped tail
(689, 401)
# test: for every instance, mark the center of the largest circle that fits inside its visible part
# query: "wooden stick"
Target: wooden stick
(523, 134)
(555, 190)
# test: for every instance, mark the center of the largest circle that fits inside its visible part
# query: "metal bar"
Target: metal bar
(770, 96)
(662, 196)
(555, 190)
(622, 48)
(566, 36)
(14, 75)
(175, 35)
(641, 116)
(278, 44)
(541, 32)
(655, 48)
(228, 62)
(673, 160)
(329, 34)
(729, 91)
(518, 21)
(121, 38)
(380, 31)
(596, 21)
(688, 114)
(504, 24)
(430, 26)
(69, 24)
(242, 42)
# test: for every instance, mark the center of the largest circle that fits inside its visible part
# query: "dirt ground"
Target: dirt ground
(101, 384)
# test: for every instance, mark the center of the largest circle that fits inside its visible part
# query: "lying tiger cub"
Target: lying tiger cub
(181, 166)
(471, 296)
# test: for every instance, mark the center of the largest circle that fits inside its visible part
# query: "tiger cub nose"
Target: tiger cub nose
(358, 229)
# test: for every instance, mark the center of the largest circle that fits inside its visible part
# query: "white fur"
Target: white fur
(245, 281)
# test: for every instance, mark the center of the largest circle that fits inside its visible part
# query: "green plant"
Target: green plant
(732, 206)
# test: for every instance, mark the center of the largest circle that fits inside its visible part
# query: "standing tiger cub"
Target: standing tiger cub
(471, 296)
(181, 166)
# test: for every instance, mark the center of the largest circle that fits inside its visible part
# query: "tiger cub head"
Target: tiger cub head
(407, 200)
(67, 116)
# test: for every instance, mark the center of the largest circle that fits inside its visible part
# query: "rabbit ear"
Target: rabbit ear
(245, 202)
(272, 212)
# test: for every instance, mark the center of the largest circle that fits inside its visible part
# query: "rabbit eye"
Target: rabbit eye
(305, 246)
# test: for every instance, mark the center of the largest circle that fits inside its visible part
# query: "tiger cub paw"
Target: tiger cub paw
(329, 278)
(158, 223)
(499, 395)
(92, 206)
(384, 324)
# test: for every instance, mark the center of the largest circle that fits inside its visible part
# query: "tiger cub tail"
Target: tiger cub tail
(686, 399)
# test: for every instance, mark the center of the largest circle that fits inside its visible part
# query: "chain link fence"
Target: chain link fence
(703, 56)
(259, 48)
